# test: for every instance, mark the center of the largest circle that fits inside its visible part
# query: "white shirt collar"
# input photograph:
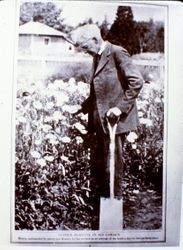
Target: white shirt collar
(102, 47)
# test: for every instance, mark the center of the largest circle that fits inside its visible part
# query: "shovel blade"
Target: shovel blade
(111, 211)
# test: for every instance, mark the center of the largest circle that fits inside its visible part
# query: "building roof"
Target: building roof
(37, 28)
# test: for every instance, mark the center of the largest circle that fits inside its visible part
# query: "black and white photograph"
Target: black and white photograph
(90, 123)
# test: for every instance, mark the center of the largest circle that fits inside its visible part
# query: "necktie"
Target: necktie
(96, 61)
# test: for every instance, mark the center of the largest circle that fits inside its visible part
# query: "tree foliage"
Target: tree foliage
(135, 36)
(47, 13)
(122, 29)
(150, 36)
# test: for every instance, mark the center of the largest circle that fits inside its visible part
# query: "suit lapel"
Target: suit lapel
(103, 60)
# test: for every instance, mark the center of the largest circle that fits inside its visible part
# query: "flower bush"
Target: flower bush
(52, 165)
(53, 180)
(144, 148)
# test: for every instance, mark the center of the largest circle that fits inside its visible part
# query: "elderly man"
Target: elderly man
(114, 86)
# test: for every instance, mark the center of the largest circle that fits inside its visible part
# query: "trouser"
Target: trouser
(100, 161)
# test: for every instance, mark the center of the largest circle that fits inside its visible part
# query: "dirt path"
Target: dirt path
(143, 210)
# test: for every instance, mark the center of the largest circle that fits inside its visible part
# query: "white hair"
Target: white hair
(85, 33)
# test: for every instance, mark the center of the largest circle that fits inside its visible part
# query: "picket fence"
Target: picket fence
(40, 68)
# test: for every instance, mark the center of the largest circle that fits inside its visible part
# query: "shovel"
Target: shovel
(111, 208)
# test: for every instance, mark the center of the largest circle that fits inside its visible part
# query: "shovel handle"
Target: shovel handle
(112, 120)
(112, 125)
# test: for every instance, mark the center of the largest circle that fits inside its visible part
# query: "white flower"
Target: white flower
(146, 121)
(84, 117)
(132, 136)
(58, 83)
(83, 88)
(140, 114)
(79, 140)
(54, 142)
(46, 128)
(38, 142)
(72, 81)
(71, 108)
(57, 115)
(136, 191)
(38, 105)
(35, 154)
(59, 102)
(157, 100)
(49, 105)
(80, 127)
(134, 146)
(22, 119)
(47, 118)
(51, 137)
(61, 98)
(66, 108)
(41, 162)
(65, 139)
(49, 158)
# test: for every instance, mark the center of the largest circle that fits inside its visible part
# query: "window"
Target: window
(47, 41)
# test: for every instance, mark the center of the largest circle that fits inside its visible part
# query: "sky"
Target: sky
(79, 11)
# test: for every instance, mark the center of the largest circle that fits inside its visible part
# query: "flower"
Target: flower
(83, 88)
(41, 162)
(146, 121)
(140, 114)
(80, 127)
(134, 146)
(132, 136)
(22, 119)
(35, 154)
(38, 142)
(65, 139)
(38, 105)
(83, 117)
(61, 98)
(52, 139)
(71, 108)
(58, 83)
(47, 118)
(72, 81)
(49, 158)
(49, 105)
(79, 140)
(157, 100)
(57, 115)
(46, 128)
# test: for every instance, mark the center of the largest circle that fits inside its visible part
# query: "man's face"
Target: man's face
(90, 46)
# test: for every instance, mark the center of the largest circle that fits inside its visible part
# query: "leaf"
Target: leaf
(81, 200)
(63, 170)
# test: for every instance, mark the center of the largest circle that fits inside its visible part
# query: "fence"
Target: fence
(41, 68)
(155, 66)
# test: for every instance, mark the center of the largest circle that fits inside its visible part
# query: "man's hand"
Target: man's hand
(113, 112)
(113, 115)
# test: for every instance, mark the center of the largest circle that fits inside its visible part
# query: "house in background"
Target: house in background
(38, 39)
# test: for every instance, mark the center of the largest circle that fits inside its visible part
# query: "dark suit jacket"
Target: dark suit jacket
(115, 83)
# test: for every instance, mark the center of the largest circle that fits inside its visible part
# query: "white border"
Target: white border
(175, 121)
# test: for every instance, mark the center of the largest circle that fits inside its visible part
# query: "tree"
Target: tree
(104, 28)
(150, 35)
(47, 13)
(160, 39)
(123, 30)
